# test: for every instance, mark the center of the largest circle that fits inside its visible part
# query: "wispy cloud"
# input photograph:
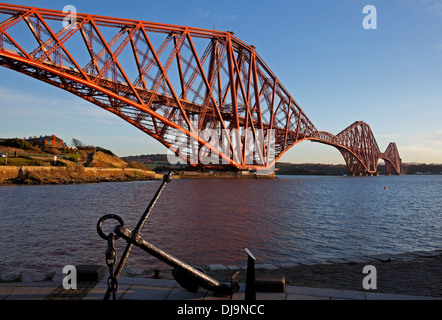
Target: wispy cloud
(200, 13)
(434, 137)
(425, 147)
(17, 103)
(213, 16)
(428, 6)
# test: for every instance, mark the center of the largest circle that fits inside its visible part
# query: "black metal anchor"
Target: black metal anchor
(188, 277)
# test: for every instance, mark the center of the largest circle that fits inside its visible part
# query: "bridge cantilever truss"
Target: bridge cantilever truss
(177, 84)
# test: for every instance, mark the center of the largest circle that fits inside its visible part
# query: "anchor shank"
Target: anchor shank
(136, 240)
(143, 219)
(137, 230)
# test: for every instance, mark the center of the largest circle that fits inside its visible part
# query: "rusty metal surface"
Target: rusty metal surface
(189, 82)
(187, 276)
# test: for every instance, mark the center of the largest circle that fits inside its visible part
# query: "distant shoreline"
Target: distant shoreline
(44, 175)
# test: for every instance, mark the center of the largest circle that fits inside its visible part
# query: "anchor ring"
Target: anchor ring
(103, 219)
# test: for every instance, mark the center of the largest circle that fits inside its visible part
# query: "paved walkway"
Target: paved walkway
(410, 276)
(164, 289)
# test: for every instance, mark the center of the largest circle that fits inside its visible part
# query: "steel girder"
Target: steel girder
(360, 150)
(204, 94)
(392, 159)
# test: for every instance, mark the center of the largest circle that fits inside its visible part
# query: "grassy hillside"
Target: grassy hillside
(18, 152)
(21, 162)
(104, 160)
(151, 161)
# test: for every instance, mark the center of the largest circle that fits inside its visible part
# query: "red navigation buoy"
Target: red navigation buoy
(385, 188)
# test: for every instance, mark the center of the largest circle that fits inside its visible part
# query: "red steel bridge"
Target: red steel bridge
(177, 84)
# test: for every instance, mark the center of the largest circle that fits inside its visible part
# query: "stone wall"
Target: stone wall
(78, 174)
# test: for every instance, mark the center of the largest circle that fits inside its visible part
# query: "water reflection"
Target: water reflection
(212, 221)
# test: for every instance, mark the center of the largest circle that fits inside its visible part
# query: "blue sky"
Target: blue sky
(337, 71)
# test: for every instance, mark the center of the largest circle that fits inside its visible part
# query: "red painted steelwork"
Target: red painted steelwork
(175, 83)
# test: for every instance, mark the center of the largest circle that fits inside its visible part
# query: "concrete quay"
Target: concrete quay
(131, 288)
(408, 276)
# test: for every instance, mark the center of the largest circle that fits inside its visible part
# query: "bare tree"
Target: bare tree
(77, 143)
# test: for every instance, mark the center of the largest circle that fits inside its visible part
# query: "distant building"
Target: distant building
(47, 141)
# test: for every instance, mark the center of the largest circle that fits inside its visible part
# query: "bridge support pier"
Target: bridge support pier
(364, 174)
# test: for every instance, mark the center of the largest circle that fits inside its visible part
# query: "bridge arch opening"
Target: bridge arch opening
(42, 107)
(312, 152)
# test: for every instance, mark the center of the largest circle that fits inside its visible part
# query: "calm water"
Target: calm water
(290, 219)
